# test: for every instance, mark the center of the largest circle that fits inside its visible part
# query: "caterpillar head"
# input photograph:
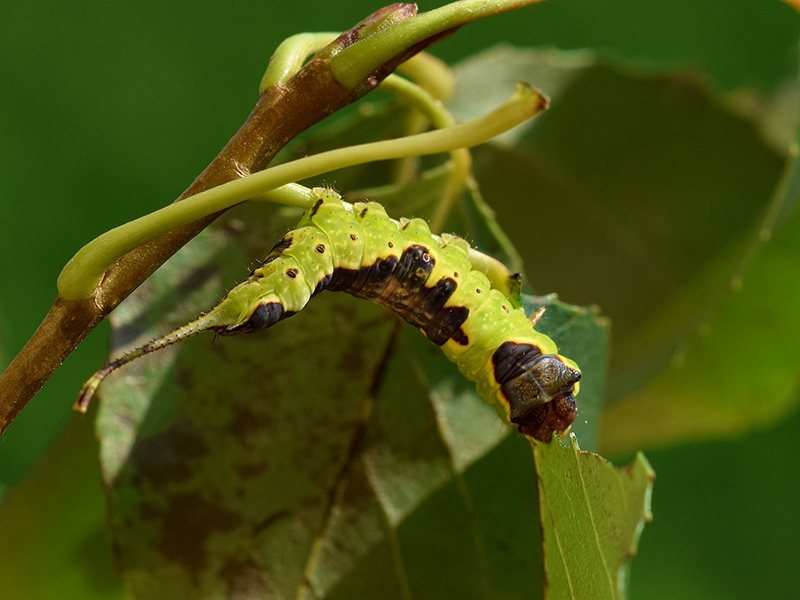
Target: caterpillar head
(555, 416)
(539, 389)
(542, 397)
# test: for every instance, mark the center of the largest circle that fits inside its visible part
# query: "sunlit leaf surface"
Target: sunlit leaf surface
(132, 111)
(592, 516)
(646, 192)
(339, 453)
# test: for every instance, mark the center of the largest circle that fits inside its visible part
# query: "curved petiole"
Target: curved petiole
(289, 57)
(81, 275)
(441, 118)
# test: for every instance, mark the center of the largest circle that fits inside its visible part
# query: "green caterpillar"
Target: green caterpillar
(437, 283)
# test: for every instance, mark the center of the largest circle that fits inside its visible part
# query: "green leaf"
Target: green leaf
(692, 550)
(722, 530)
(339, 454)
(739, 369)
(589, 545)
(653, 229)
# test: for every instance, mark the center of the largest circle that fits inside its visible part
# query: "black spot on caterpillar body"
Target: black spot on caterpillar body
(430, 282)
(436, 283)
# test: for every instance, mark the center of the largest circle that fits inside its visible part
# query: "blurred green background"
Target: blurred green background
(108, 111)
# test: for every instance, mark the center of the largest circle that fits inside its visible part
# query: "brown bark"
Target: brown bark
(281, 113)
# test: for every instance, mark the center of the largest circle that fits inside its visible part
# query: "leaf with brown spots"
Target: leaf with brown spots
(338, 454)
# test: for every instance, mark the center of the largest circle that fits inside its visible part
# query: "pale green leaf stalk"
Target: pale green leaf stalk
(430, 73)
(432, 83)
(290, 56)
(82, 274)
(357, 62)
(441, 118)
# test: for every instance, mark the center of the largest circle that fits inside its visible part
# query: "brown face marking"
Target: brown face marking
(510, 360)
(540, 382)
(545, 420)
(530, 381)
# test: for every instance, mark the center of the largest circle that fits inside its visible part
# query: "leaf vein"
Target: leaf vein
(594, 526)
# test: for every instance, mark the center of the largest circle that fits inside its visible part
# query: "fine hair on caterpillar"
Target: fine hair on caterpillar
(463, 301)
